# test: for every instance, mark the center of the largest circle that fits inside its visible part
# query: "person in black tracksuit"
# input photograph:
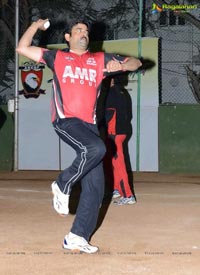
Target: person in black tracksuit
(118, 117)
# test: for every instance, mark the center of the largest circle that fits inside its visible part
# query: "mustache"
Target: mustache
(84, 37)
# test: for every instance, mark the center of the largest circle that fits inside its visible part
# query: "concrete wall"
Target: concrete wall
(179, 139)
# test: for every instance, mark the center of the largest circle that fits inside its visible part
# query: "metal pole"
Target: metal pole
(139, 88)
(16, 87)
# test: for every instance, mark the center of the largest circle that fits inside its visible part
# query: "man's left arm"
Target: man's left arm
(131, 64)
(118, 63)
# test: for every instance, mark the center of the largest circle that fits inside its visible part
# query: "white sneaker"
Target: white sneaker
(60, 200)
(124, 201)
(116, 194)
(76, 243)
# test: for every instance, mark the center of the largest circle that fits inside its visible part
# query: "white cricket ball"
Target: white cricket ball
(46, 24)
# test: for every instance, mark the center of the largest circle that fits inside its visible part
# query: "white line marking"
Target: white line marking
(24, 190)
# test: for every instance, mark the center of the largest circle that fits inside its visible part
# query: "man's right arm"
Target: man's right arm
(24, 46)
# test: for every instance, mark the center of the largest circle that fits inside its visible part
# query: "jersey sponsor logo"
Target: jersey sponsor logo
(69, 58)
(91, 61)
(80, 75)
(31, 77)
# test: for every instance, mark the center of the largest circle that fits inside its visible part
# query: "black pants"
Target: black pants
(87, 167)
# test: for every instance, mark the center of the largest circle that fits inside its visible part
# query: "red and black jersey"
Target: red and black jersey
(76, 82)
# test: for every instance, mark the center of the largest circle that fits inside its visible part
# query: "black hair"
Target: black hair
(121, 79)
(69, 26)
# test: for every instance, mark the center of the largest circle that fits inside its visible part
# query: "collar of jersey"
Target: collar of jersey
(71, 51)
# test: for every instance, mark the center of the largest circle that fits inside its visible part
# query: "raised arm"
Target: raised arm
(24, 47)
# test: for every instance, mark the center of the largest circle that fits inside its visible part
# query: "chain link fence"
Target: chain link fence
(180, 58)
(115, 19)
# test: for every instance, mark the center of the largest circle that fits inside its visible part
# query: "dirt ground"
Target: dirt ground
(160, 234)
